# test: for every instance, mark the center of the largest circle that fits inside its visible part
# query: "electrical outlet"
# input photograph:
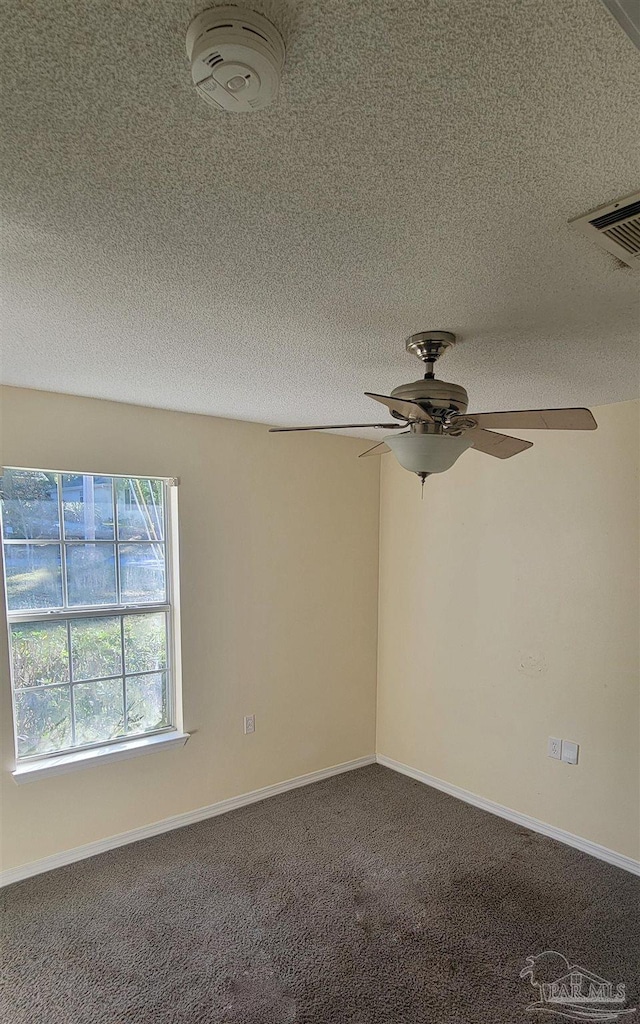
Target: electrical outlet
(554, 748)
(569, 752)
(249, 724)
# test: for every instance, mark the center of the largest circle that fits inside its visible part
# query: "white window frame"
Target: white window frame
(59, 762)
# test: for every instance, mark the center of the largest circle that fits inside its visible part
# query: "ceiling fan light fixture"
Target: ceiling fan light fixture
(428, 453)
(437, 429)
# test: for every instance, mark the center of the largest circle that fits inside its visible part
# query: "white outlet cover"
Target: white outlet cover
(554, 748)
(569, 752)
(249, 724)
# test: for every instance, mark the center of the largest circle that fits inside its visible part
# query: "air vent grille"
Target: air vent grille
(627, 235)
(615, 227)
(620, 213)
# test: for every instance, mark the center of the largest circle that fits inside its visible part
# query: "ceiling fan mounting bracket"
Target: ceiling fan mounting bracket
(429, 345)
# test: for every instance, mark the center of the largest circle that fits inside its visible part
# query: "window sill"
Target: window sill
(63, 763)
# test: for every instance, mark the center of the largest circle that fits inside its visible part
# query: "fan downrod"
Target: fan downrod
(428, 346)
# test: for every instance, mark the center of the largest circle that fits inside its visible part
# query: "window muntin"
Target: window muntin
(88, 585)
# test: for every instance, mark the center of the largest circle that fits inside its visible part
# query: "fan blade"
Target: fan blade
(500, 445)
(535, 419)
(340, 426)
(409, 410)
(378, 449)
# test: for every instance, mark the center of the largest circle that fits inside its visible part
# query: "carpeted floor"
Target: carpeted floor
(364, 899)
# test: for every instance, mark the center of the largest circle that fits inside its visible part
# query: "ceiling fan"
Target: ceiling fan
(436, 428)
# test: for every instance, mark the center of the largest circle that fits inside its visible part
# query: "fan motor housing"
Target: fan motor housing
(438, 394)
(236, 59)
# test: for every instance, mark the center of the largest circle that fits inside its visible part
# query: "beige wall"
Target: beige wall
(509, 613)
(279, 566)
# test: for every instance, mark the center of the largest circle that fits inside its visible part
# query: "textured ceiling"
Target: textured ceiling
(417, 172)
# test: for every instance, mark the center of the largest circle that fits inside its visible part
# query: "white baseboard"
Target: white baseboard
(593, 849)
(58, 860)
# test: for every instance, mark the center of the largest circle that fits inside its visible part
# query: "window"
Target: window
(90, 608)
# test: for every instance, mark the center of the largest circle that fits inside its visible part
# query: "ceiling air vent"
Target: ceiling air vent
(615, 227)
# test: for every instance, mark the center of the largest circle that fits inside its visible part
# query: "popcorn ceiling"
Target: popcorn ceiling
(417, 172)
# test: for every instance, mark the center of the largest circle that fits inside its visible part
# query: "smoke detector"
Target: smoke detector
(236, 58)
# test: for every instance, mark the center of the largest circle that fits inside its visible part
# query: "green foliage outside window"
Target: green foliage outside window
(98, 676)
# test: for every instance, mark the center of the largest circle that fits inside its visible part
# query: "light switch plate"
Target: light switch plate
(569, 752)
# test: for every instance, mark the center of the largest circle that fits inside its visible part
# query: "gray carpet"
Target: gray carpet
(364, 899)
